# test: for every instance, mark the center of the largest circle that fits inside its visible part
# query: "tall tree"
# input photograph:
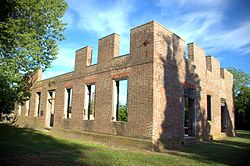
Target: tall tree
(29, 31)
(241, 79)
(242, 107)
(241, 98)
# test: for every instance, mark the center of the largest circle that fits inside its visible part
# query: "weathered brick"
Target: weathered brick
(157, 74)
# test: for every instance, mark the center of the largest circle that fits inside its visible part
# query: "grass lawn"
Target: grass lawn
(19, 146)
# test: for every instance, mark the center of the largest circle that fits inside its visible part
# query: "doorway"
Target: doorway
(189, 117)
(223, 115)
(50, 106)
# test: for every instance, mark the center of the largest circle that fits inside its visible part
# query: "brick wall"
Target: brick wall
(157, 73)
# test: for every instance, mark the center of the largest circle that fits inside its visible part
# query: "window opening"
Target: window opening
(89, 111)
(27, 107)
(209, 107)
(51, 105)
(38, 97)
(68, 102)
(120, 93)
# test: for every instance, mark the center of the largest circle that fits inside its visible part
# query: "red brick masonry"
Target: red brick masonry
(160, 80)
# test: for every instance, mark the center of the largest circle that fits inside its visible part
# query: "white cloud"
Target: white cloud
(104, 21)
(207, 3)
(66, 58)
(68, 18)
(64, 63)
(192, 19)
(194, 4)
(101, 20)
(91, 16)
(195, 25)
(245, 50)
(233, 39)
(203, 22)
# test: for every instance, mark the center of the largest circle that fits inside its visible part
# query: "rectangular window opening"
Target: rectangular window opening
(94, 57)
(89, 110)
(120, 93)
(27, 107)
(209, 107)
(50, 107)
(38, 103)
(124, 50)
(68, 100)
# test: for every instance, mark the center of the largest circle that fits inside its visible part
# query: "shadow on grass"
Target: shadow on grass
(231, 151)
(243, 134)
(21, 146)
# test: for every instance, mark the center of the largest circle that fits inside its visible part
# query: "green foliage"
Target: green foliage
(122, 113)
(7, 96)
(242, 107)
(241, 79)
(241, 98)
(29, 31)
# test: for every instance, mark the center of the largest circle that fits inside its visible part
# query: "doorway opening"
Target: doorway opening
(223, 115)
(120, 95)
(89, 106)
(51, 105)
(189, 118)
(189, 112)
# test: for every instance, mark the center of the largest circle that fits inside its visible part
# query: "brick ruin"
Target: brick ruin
(170, 98)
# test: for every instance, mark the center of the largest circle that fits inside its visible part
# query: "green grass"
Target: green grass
(20, 146)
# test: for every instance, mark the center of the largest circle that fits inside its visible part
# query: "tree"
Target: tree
(29, 31)
(242, 107)
(241, 79)
(241, 98)
(122, 113)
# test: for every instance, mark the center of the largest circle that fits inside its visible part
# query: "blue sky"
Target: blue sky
(221, 27)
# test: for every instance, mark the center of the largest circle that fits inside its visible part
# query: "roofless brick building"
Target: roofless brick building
(170, 99)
